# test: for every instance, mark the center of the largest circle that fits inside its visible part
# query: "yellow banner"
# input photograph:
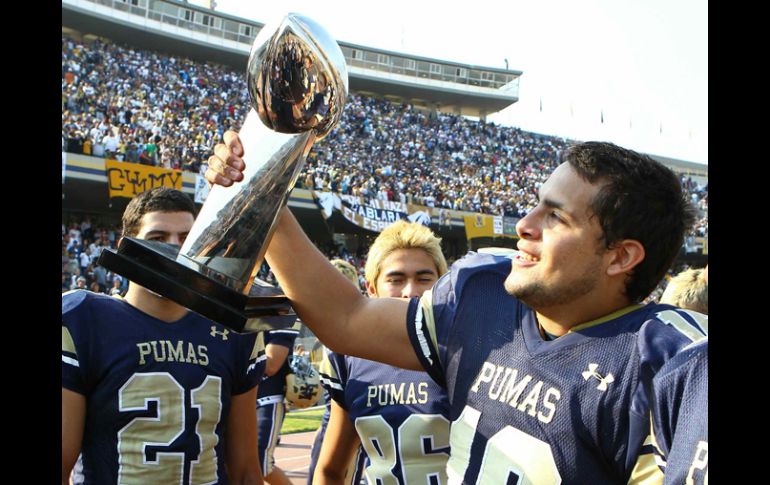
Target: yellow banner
(485, 225)
(479, 225)
(129, 179)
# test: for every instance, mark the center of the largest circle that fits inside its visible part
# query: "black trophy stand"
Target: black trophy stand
(153, 265)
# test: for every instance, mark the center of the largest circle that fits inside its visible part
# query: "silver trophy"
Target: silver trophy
(297, 82)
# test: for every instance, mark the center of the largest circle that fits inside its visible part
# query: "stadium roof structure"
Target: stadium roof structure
(202, 34)
(682, 166)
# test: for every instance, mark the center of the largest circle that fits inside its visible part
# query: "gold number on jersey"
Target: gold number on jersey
(509, 454)
(673, 318)
(699, 463)
(206, 397)
(379, 443)
(165, 427)
(418, 462)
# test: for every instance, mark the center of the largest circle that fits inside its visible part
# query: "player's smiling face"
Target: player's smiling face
(405, 273)
(561, 251)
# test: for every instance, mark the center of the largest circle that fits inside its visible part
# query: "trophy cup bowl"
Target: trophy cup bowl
(297, 82)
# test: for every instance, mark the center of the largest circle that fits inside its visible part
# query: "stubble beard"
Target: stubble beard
(537, 294)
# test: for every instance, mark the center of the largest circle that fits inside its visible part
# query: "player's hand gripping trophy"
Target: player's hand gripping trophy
(297, 82)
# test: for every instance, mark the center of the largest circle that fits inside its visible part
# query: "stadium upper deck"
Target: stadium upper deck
(206, 35)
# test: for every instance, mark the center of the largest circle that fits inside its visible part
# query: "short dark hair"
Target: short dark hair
(640, 199)
(158, 199)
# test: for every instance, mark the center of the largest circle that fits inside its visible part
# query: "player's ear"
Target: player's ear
(624, 256)
(370, 289)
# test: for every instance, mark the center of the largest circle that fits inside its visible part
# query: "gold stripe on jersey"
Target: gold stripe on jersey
(673, 318)
(646, 471)
(700, 318)
(660, 458)
(268, 463)
(259, 346)
(326, 368)
(67, 344)
(328, 374)
(606, 318)
(426, 302)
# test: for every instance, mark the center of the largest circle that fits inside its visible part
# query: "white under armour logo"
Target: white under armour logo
(215, 332)
(603, 381)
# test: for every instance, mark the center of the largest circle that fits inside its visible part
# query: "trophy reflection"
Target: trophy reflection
(297, 82)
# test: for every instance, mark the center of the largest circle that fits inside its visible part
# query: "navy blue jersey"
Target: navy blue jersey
(272, 388)
(157, 394)
(529, 410)
(679, 415)
(400, 416)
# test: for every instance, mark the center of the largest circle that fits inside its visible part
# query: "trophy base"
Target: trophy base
(153, 265)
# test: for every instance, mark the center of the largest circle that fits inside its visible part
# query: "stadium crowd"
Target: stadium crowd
(387, 151)
(143, 107)
(82, 243)
(151, 108)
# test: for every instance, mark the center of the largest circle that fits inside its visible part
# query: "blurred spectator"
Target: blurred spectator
(100, 278)
(80, 283)
(85, 260)
(689, 289)
(116, 289)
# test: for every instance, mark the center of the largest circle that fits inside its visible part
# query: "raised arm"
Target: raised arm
(342, 318)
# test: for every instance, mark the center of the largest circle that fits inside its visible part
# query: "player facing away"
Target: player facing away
(152, 392)
(399, 416)
(547, 356)
(270, 407)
